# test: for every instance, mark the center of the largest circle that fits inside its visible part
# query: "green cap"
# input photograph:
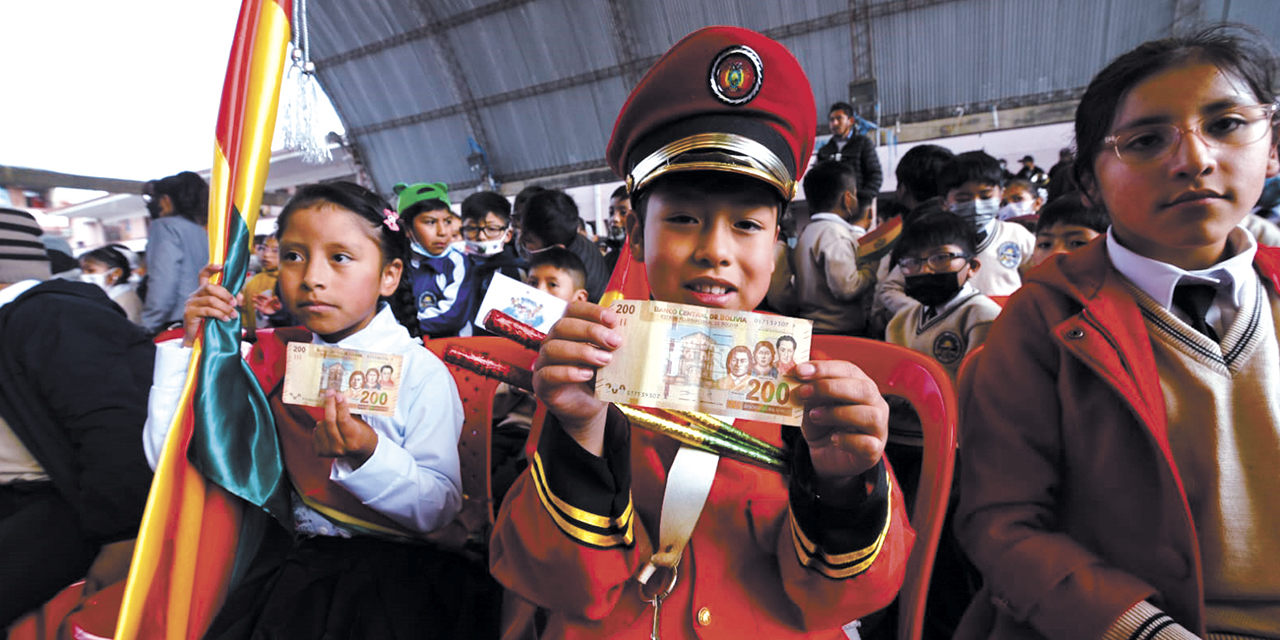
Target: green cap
(408, 195)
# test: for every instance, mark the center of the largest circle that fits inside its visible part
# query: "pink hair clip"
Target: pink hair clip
(391, 220)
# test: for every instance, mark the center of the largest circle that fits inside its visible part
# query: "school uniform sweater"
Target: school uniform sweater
(950, 332)
(1005, 248)
(1072, 502)
(1223, 413)
(829, 283)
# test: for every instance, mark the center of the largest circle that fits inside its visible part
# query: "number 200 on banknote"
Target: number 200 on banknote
(689, 358)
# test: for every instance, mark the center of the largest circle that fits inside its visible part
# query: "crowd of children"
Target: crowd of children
(1120, 437)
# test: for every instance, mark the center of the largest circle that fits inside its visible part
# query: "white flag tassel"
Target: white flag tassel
(301, 131)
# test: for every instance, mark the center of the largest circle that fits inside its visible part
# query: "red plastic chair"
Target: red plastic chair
(475, 447)
(966, 370)
(169, 334)
(926, 385)
(92, 619)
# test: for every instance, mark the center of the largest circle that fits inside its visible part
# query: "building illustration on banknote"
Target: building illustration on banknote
(699, 357)
(722, 362)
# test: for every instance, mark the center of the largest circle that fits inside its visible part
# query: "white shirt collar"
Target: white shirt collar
(1158, 279)
(383, 335)
(827, 215)
(990, 228)
(11, 293)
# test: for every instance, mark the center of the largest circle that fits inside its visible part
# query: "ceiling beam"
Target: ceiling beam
(1186, 15)
(40, 179)
(624, 41)
(635, 66)
(427, 30)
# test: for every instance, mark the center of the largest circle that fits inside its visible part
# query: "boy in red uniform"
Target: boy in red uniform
(711, 147)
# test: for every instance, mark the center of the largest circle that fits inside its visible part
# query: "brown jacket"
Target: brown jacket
(1071, 505)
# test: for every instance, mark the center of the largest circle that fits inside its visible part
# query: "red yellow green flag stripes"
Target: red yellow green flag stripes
(197, 531)
(629, 281)
(879, 242)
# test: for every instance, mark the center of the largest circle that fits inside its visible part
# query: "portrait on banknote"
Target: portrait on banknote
(714, 361)
(368, 380)
(737, 369)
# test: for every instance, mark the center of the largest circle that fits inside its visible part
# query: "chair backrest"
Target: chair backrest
(925, 384)
(475, 447)
(967, 366)
(169, 334)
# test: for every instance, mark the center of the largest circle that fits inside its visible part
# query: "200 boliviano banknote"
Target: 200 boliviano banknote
(370, 381)
(733, 364)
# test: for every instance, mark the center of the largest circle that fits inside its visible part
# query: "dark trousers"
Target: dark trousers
(42, 549)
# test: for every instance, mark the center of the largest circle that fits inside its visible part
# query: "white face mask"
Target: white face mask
(1016, 209)
(99, 279)
(485, 248)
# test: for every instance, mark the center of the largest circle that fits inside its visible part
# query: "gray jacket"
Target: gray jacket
(176, 251)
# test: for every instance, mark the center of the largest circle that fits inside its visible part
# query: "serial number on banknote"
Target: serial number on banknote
(688, 358)
(369, 381)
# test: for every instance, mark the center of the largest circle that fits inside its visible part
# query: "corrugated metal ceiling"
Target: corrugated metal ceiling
(538, 83)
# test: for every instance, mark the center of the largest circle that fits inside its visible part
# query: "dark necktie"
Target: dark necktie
(1195, 300)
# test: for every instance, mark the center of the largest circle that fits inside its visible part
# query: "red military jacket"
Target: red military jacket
(1071, 504)
(768, 559)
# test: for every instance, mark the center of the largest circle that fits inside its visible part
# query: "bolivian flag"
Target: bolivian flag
(629, 281)
(879, 242)
(221, 471)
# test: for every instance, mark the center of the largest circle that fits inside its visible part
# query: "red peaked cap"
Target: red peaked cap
(723, 98)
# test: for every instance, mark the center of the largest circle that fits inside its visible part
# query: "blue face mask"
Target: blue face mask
(979, 213)
(791, 242)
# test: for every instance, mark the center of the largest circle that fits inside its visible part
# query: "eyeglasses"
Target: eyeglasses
(938, 262)
(492, 232)
(1235, 127)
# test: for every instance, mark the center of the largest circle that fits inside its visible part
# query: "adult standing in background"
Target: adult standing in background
(1031, 173)
(178, 246)
(1061, 182)
(854, 149)
(550, 220)
(619, 207)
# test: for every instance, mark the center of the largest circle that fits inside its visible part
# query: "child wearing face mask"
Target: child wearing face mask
(970, 188)
(487, 233)
(108, 268)
(971, 182)
(1020, 199)
(948, 318)
(437, 268)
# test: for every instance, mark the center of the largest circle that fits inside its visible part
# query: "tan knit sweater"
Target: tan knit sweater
(1223, 403)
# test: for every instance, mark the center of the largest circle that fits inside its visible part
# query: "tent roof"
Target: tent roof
(537, 84)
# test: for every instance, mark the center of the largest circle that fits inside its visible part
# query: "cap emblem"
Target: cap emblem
(736, 75)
